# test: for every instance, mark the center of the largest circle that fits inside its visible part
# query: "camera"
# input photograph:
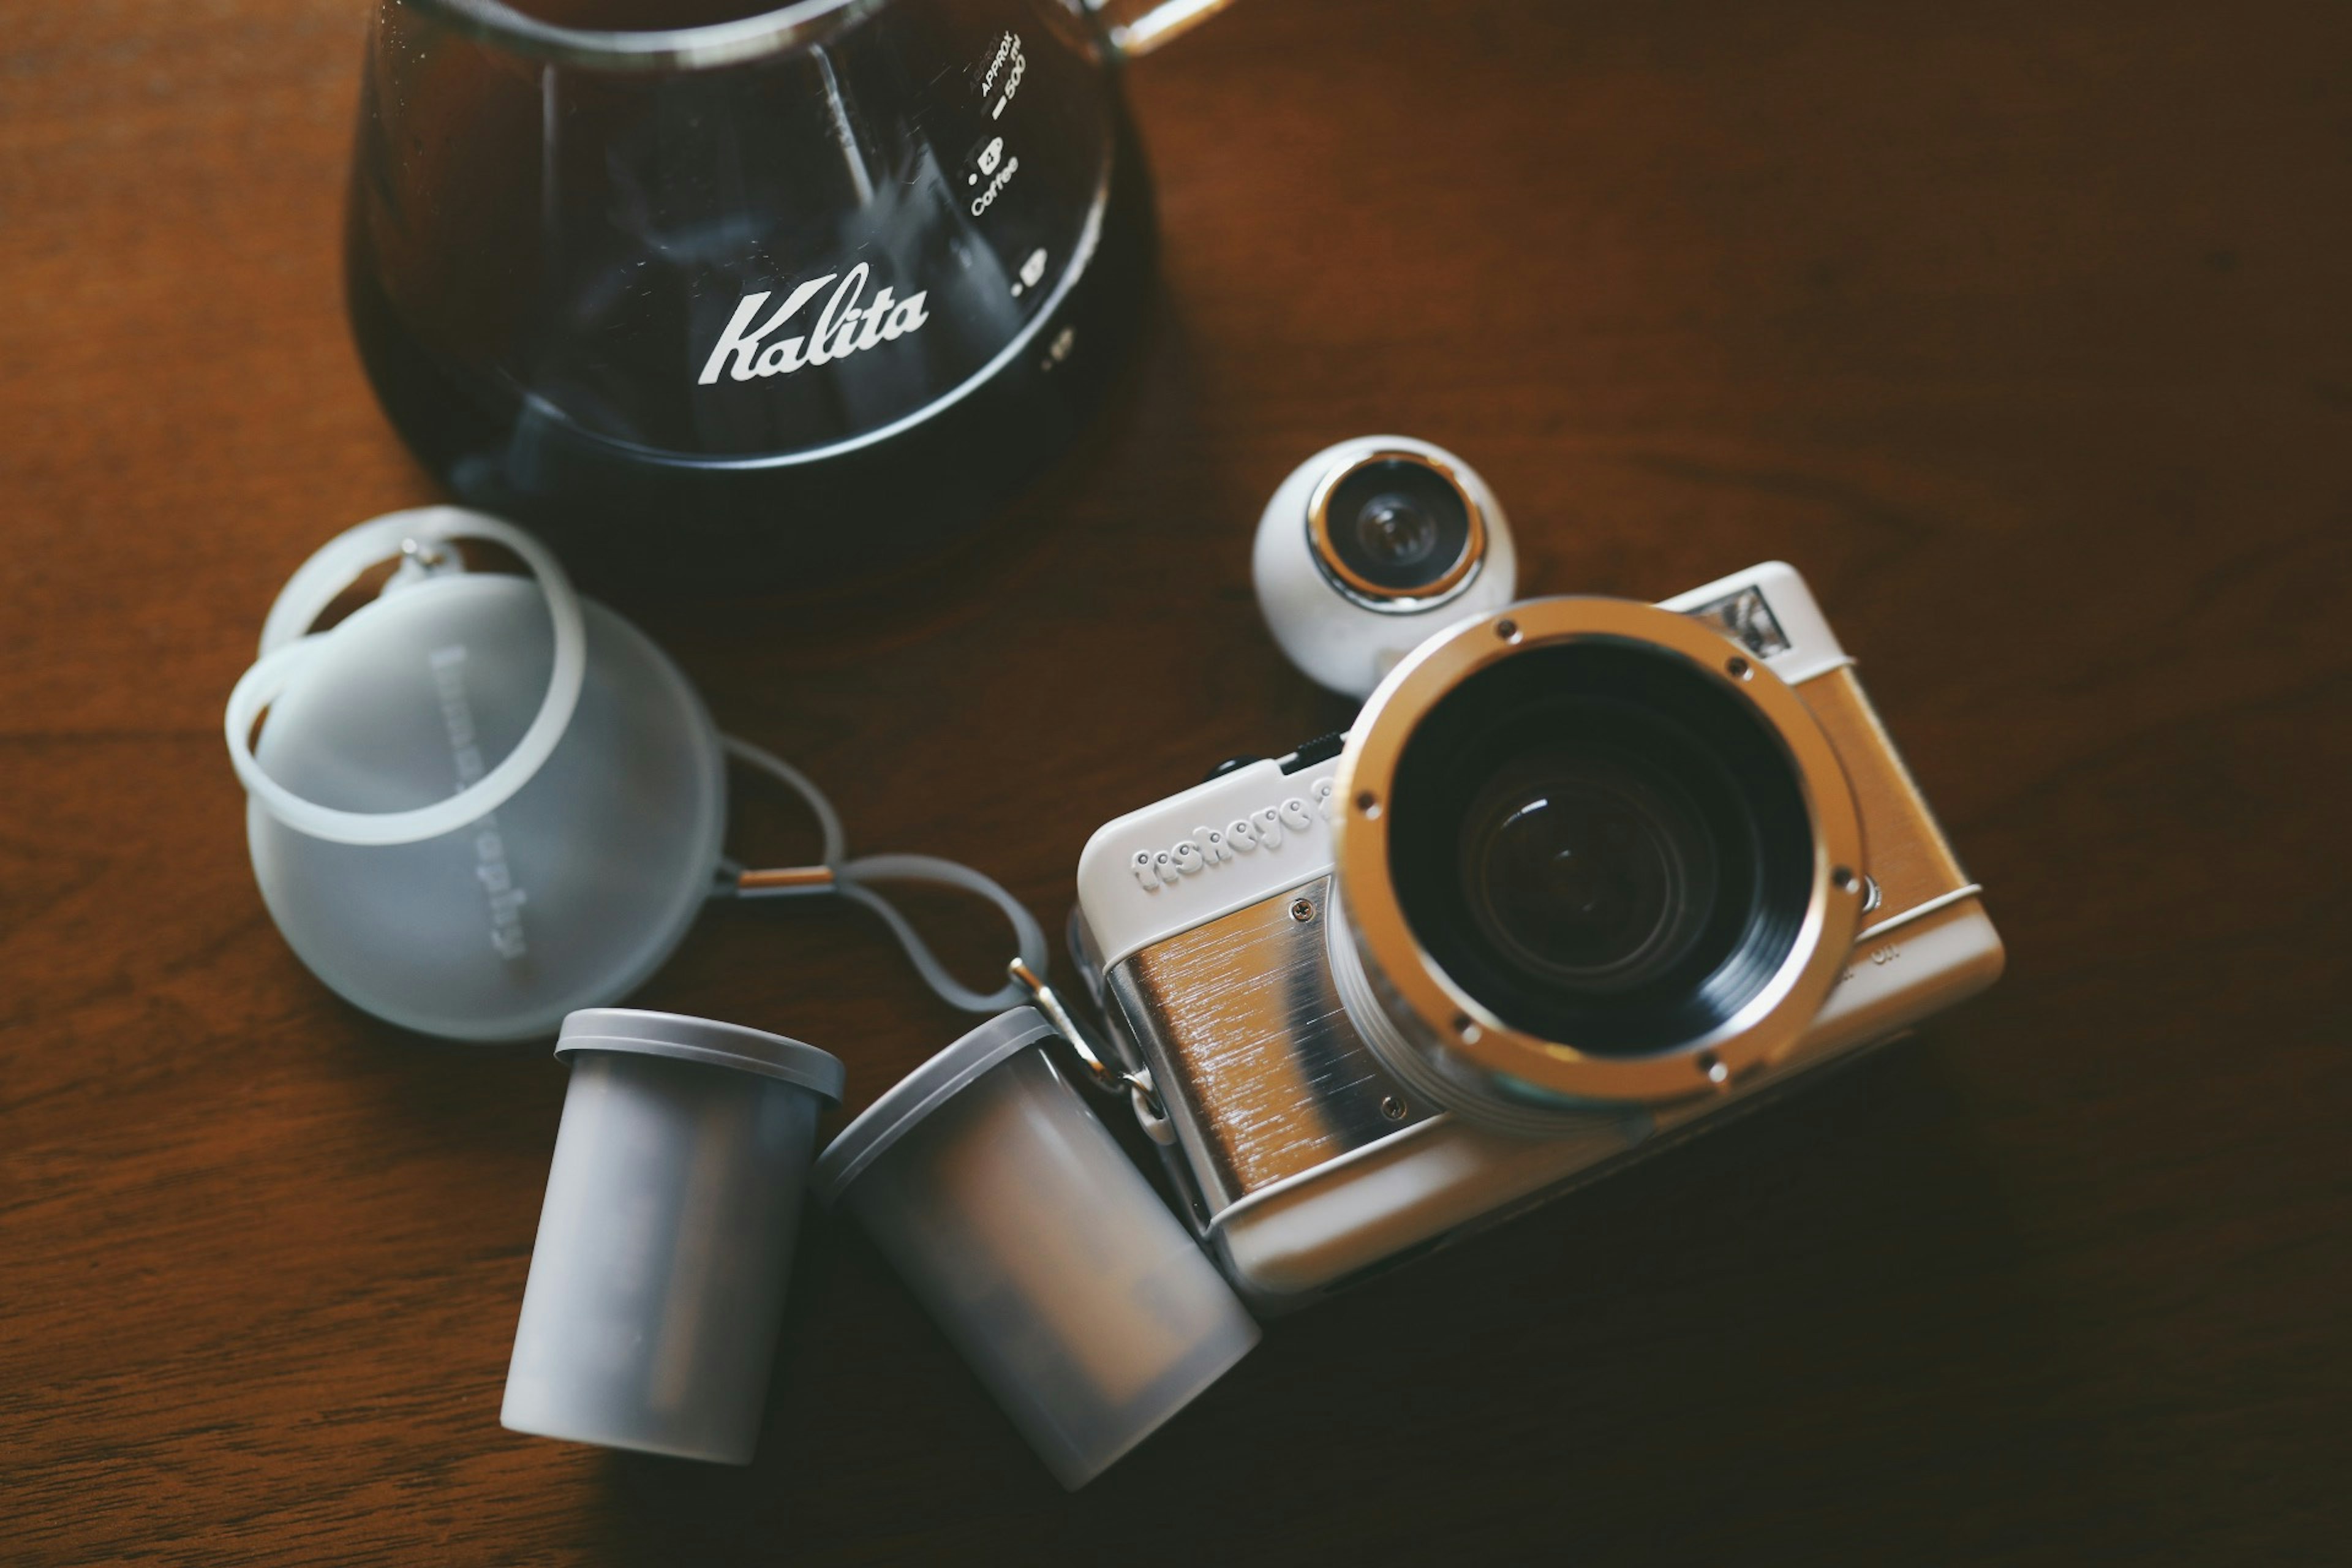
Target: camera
(1585, 875)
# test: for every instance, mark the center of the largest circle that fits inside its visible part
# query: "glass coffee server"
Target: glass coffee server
(727, 294)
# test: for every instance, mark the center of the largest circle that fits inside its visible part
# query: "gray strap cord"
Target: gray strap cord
(850, 880)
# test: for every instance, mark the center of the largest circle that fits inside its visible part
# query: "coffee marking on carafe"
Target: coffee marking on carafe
(507, 900)
(846, 325)
(1002, 176)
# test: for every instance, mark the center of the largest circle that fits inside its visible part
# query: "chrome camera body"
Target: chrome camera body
(1584, 875)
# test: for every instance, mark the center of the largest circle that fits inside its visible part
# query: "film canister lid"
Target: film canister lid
(706, 1040)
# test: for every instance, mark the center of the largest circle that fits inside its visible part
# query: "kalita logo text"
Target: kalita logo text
(846, 325)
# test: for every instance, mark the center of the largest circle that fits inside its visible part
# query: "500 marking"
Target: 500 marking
(1012, 76)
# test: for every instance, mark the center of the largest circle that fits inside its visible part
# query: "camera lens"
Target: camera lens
(1601, 844)
(1585, 870)
(1395, 526)
(1395, 534)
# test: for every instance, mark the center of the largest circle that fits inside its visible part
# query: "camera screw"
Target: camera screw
(1392, 1108)
(1844, 878)
(1712, 1065)
(1302, 912)
(1737, 667)
(1508, 630)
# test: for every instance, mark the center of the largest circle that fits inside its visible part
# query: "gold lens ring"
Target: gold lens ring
(1463, 1030)
(1362, 589)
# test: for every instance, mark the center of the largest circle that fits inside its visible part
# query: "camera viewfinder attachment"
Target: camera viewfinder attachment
(1370, 546)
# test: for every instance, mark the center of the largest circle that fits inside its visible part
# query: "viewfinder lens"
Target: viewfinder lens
(1397, 526)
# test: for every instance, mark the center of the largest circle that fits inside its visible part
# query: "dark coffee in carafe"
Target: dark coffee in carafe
(762, 302)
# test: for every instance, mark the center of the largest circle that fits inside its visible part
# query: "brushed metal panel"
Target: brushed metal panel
(1250, 1046)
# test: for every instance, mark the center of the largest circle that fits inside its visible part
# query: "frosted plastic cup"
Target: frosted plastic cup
(657, 1282)
(1006, 1206)
(489, 913)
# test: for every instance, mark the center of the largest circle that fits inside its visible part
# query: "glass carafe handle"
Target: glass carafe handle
(1139, 27)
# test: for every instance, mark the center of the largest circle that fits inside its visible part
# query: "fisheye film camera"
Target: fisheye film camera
(1584, 875)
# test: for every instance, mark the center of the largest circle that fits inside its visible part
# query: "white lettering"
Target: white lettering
(845, 337)
(1003, 47)
(1206, 849)
(491, 867)
(846, 325)
(781, 358)
(744, 344)
(819, 350)
(1011, 81)
(1004, 177)
(909, 316)
(874, 315)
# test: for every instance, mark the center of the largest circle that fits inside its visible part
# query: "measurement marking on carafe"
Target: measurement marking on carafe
(1031, 271)
(1005, 47)
(1011, 79)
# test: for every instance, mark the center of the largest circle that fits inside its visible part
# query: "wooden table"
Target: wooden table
(2025, 330)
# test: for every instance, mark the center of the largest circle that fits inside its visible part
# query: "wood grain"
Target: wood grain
(2024, 330)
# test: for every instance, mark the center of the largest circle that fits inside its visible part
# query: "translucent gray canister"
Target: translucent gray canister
(1083, 1305)
(657, 1282)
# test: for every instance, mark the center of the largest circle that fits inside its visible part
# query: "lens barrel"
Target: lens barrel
(1591, 853)
(1601, 843)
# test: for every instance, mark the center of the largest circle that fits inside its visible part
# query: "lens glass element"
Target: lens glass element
(1602, 843)
(1592, 870)
(1396, 526)
(1395, 532)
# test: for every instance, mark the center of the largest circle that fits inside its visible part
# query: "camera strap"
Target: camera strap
(854, 878)
(422, 541)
